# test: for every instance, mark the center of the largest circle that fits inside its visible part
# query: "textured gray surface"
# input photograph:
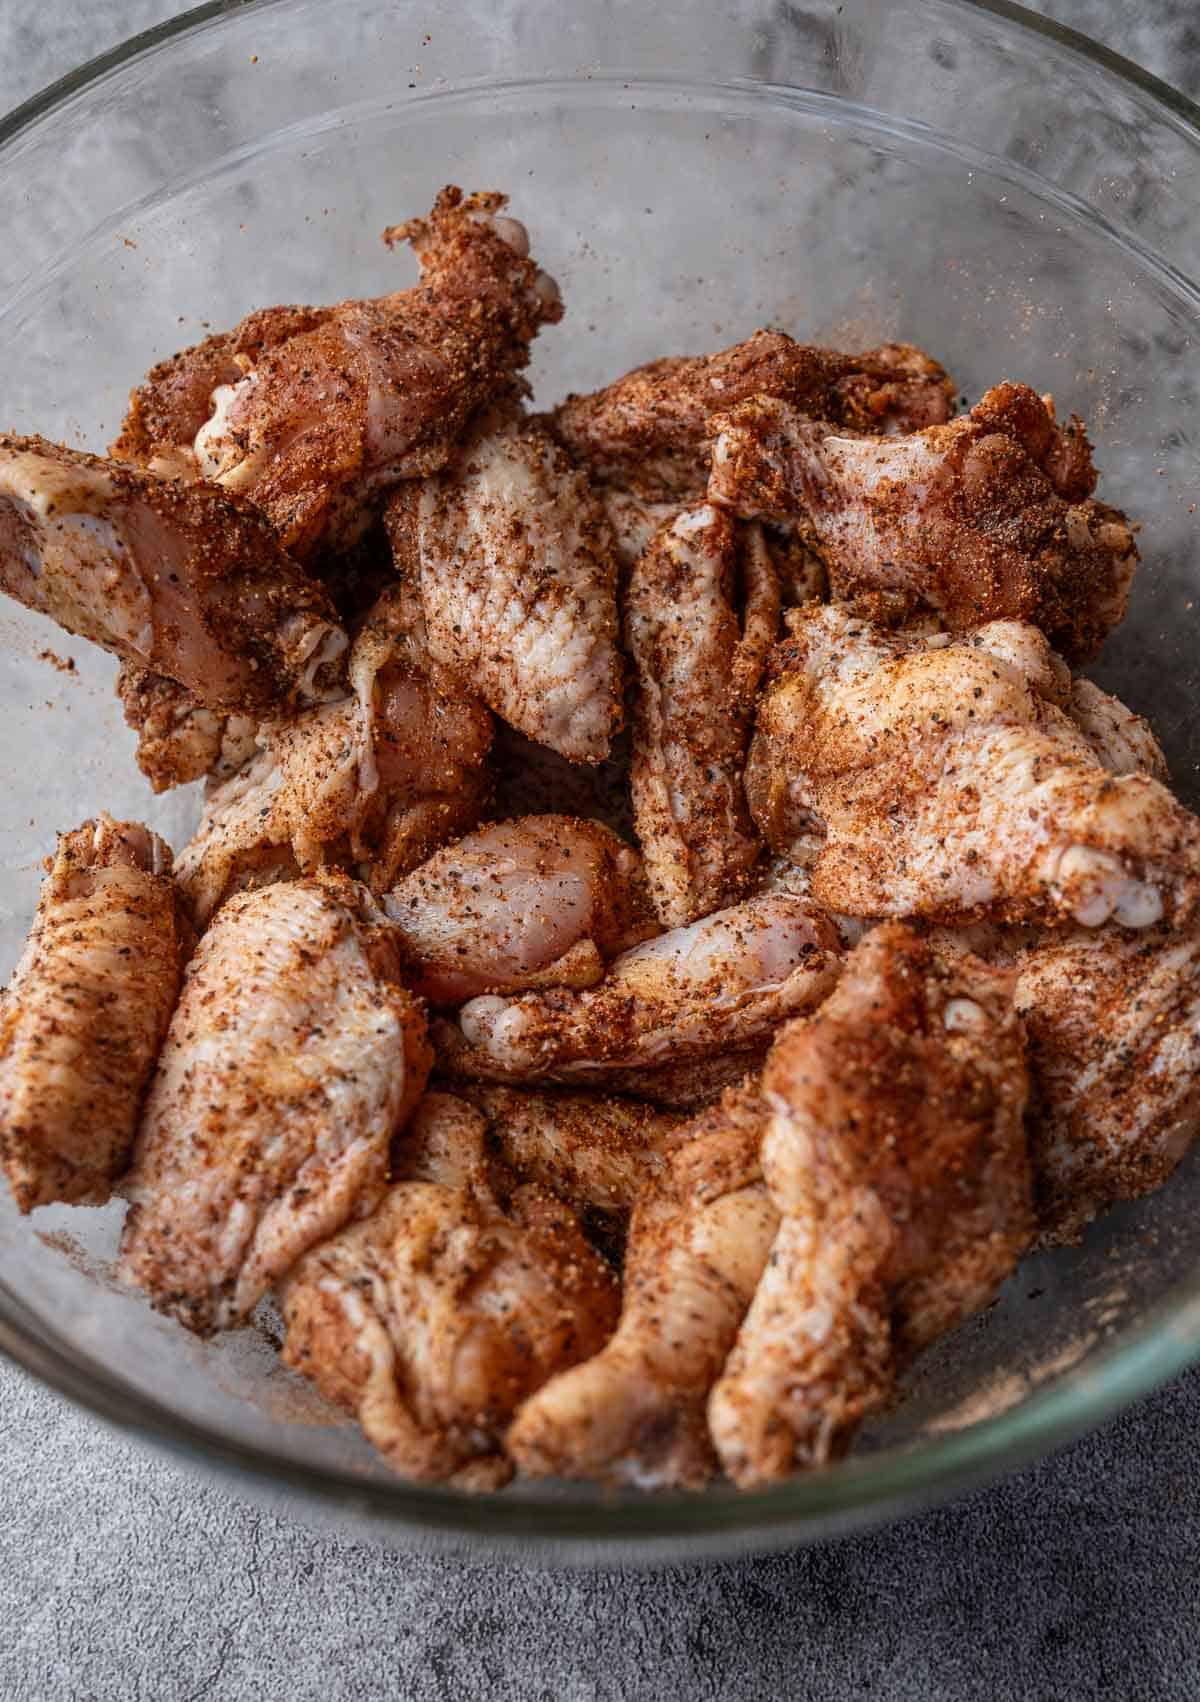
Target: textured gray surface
(123, 1577)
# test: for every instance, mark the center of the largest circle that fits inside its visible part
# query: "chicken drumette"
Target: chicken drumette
(921, 776)
(543, 901)
(698, 666)
(895, 1155)
(183, 580)
(316, 413)
(85, 1014)
(988, 517)
(648, 430)
(458, 1297)
(294, 1056)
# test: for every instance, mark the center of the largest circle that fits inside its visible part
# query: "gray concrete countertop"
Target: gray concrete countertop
(125, 1579)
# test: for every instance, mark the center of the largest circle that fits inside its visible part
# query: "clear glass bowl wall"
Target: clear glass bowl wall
(957, 175)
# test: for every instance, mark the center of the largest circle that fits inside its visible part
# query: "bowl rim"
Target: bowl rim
(541, 1527)
(89, 71)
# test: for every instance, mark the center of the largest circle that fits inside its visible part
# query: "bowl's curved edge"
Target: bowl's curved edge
(1087, 47)
(94, 70)
(39, 105)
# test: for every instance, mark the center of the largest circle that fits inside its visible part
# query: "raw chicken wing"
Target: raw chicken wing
(648, 430)
(539, 902)
(988, 517)
(944, 779)
(435, 1318)
(182, 579)
(697, 1247)
(1113, 1020)
(895, 1155)
(698, 668)
(293, 1057)
(316, 413)
(86, 1011)
(515, 561)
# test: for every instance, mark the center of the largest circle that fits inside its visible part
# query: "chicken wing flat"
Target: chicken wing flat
(542, 901)
(316, 413)
(184, 580)
(436, 1317)
(648, 431)
(515, 561)
(179, 740)
(695, 993)
(374, 783)
(946, 780)
(293, 1058)
(698, 667)
(895, 1155)
(86, 1011)
(698, 1243)
(1113, 1020)
(987, 517)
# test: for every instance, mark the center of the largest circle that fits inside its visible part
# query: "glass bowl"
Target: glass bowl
(964, 176)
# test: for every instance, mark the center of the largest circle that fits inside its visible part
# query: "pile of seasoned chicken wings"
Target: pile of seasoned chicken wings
(668, 927)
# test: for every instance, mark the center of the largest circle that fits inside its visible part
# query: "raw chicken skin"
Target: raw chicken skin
(988, 517)
(633, 521)
(517, 570)
(1123, 742)
(697, 1247)
(697, 992)
(698, 667)
(895, 1155)
(944, 779)
(436, 1317)
(538, 902)
(316, 413)
(293, 1058)
(184, 580)
(647, 431)
(86, 1011)
(1113, 1020)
